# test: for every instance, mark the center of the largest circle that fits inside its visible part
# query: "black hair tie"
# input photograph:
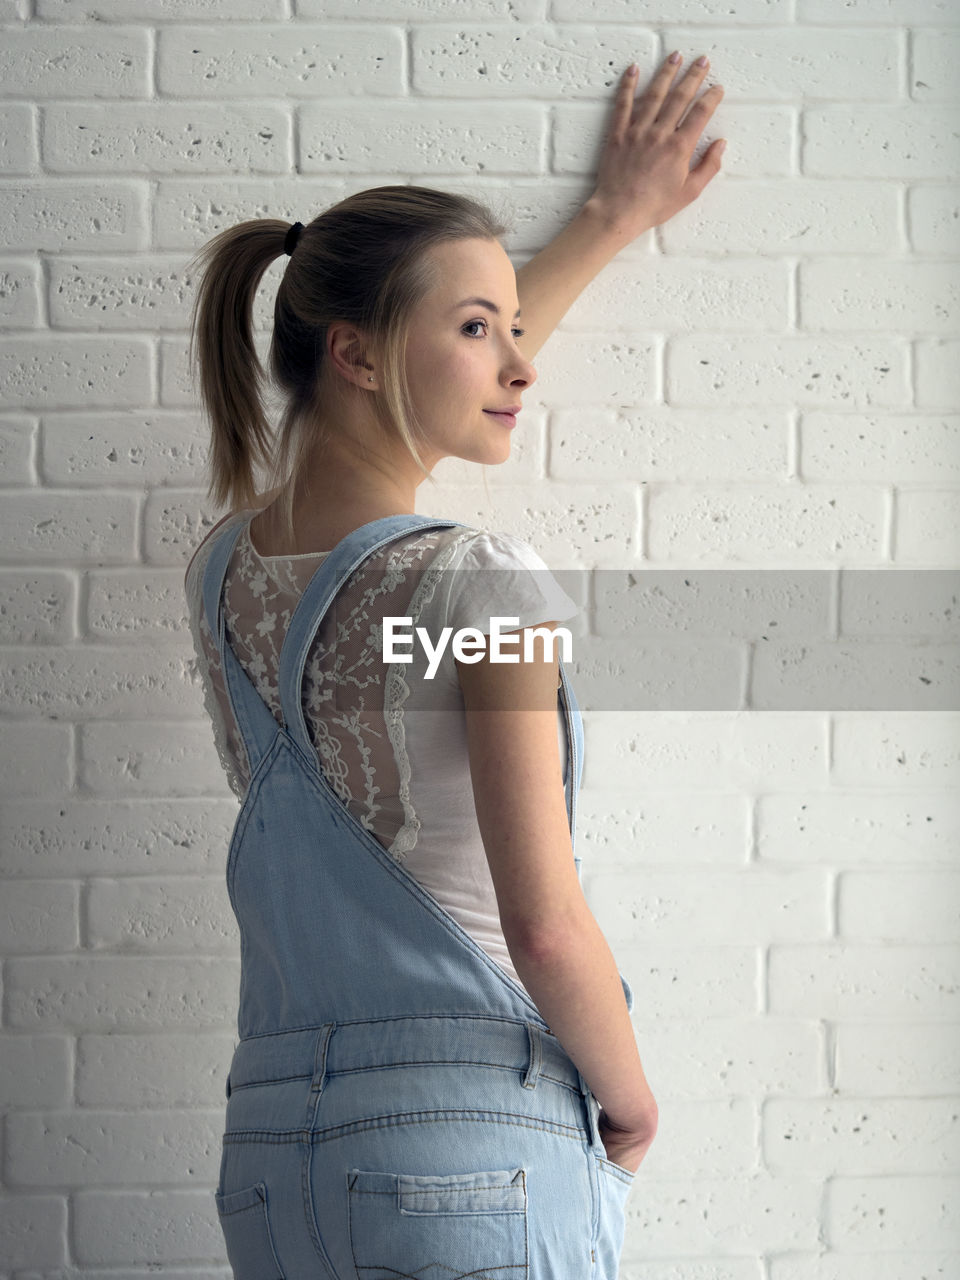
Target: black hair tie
(292, 236)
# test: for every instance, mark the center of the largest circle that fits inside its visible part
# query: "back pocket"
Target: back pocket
(246, 1229)
(462, 1224)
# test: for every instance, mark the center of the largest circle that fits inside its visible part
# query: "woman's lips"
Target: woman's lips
(508, 419)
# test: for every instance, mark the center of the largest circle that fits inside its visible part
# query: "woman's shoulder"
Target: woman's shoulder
(205, 544)
(489, 572)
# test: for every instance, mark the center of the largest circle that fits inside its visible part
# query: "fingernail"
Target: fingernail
(702, 61)
(632, 69)
(675, 56)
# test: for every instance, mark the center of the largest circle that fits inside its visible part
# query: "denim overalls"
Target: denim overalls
(397, 1105)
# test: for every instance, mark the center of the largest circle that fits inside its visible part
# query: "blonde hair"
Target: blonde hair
(363, 261)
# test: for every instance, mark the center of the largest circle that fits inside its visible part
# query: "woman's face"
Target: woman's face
(462, 359)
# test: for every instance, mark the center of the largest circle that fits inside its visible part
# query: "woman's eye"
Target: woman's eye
(517, 333)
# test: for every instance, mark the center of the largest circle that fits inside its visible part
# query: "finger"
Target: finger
(708, 168)
(623, 103)
(696, 118)
(681, 97)
(651, 100)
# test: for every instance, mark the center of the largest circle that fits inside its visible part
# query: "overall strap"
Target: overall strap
(316, 599)
(254, 718)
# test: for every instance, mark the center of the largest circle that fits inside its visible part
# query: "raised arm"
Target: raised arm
(643, 179)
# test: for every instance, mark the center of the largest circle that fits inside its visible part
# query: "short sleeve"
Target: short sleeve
(499, 575)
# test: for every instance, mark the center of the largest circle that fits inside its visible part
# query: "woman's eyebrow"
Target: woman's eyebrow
(483, 302)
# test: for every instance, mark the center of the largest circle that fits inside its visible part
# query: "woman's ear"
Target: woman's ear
(347, 350)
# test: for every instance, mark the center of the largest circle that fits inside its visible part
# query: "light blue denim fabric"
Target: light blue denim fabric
(397, 1106)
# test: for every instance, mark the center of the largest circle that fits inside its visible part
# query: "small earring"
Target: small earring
(369, 379)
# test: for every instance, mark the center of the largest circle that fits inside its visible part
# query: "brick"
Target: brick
(25, 902)
(176, 915)
(864, 12)
(156, 448)
(20, 285)
(118, 1227)
(67, 528)
(689, 12)
(289, 61)
(907, 1059)
(938, 373)
(761, 907)
(717, 1218)
(162, 1071)
(690, 1269)
(572, 365)
(794, 371)
(703, 1139)
(189, 211)
(565, 524)
(35, 1071)
(176, 522)
(50, 371)
(898, 142)
(125, 993)
(35, 759)
(862, 294)
(918, 447)
(158, 11)
(130, 293)
(865, 982)
(861, 1135)
(546, 61)
(891, 1213)
(104, 1148)
(164, 137)
(128, 758)
(74, 62)
(802, 217)
(384, 138)
(33, 1230)
(933, 214)
(92, 680)
(687, 295)
(686, 1057)
(375, 10)
(928, 528)
(861, 1266)
(934, 55)
(148, 604)
(726, 751)
(763, 523)
(689, 981)
(19, 151)
(887, 828)
(700, 605)
(17, 437)
(921, 603)
(793, 63)
(614, 832)
(761, 142)
(84, 837)
(886, 750)
(856, 675)
(909, 906)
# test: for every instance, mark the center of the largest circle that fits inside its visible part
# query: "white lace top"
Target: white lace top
(391, 743)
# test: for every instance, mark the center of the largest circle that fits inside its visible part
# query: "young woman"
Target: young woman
(436, 1073)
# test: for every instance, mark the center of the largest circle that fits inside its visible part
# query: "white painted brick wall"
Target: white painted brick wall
(769, 381)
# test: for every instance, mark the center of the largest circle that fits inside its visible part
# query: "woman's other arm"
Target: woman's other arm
(644, 178)
(554, 941)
